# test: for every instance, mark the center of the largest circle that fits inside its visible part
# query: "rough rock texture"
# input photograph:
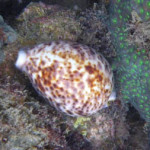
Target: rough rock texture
(7, 34)
(47, 22)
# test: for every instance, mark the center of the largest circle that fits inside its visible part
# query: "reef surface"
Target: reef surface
(28, 122)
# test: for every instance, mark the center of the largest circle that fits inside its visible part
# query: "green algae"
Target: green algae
(131, 64)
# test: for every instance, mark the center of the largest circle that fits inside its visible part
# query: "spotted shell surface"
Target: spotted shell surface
(71, 76)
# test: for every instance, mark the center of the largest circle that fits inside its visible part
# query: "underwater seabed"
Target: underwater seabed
(28, 122)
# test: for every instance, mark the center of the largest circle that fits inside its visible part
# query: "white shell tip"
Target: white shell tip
(112, 96)
(21, 59)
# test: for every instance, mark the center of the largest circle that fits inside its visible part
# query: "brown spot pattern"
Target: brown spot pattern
(90, 69)
(69, 90)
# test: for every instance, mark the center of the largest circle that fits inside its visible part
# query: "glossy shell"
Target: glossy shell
(72, 77)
